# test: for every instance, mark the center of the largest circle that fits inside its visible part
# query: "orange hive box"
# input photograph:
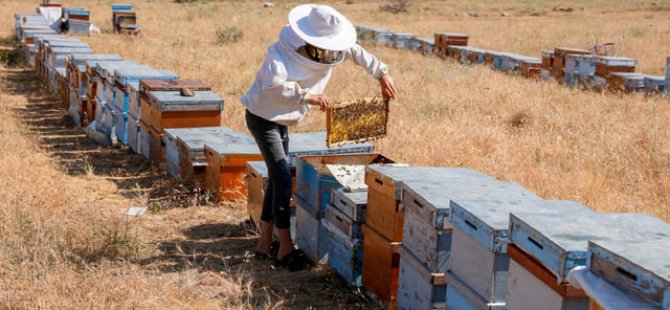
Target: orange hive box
(226, 164)
(357, 120)
(381, 263)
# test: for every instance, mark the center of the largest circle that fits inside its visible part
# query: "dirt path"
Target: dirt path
(182, 231)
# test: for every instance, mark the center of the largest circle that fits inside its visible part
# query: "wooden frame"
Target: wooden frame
(347, 117)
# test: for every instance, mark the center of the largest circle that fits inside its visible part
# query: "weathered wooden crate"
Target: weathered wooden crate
(638, 268)
(418, 287)
(654, 84)
(427, 229)
(192, 161)
(357, 120)
(627, 82)
(608, 64)
(480, 238)
(226, 163)
(310, 234)
(559, 242)
(384, 212)
(352, 204)
(547, 59)
(345, 254)
(380, 266)
(315, 181)
(343, 222)
(531, 286)
(460, 296)
(529, 67)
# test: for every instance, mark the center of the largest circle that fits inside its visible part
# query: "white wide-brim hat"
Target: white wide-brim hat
(322, 26)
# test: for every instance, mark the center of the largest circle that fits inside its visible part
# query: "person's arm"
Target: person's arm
(275, 85)
(374, 67)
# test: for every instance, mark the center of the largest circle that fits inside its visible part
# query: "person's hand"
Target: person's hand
(388, 88)
(322, 101)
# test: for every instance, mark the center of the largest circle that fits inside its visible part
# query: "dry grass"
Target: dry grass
(65, 243)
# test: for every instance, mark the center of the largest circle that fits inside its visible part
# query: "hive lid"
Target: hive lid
(234, 143)
(650, 255)
(196, 138)
(616, 61)
(123, 75)
(174, 101)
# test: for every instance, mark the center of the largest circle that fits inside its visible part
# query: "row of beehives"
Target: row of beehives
(56, 17)
(572, 67)
(421, 238)
(453, 238)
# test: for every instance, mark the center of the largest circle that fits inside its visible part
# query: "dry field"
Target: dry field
(65, 243)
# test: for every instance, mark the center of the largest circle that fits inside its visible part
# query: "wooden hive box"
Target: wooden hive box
(352, 204)
(147, 86)
(344, 223)
(418, 287)
(480, 237)
(547, 59)
(627, 82)
(192, 161)
(654, 84)
(639, 269)
(559, 60)
(427, 230)
(461, 296)
(380, 266)
(357, 120)
(144, 143)
(608, 64)
(226, 163)
(530, 285)
(169, 109)
(257, 182)
(558, 242)
(345, 254)
(174, 138)
(315, 181)
(530, 68)
(311, 236)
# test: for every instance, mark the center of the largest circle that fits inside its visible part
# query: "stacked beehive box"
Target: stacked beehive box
(478, 264)
(316, 178)
(654, 84)
(605, 65)
(77, 20)
(164, 104)
(558, 64)
(124, 19)
(126, 81)
(627, 82)
(637, 270)
(227, 158)
(192, 160)
(579, 69)
(301, 144)
(547, 246)
(427, 231)
(445, 39)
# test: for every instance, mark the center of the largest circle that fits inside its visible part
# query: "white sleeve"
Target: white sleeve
(366, 60)
(274, 84)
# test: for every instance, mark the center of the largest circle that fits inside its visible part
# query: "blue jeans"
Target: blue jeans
(272, 140)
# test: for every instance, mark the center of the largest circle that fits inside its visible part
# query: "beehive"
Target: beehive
(637, 268)
(480, 237)
(405, 40)
(257, 182)
(418, 287)
(352, 204)
(344, 223)
(192, 161)
(357, 120)
(547, 59)
(345, 254)
(559, 60)
(170, 109)
(226, 163)
(147, 86)
(315, 180)
(445, 39)
(426, 46)
(311, 236)
(608, 64)
(380, 265)
(427, 230)
(628, 82)
(654, 84)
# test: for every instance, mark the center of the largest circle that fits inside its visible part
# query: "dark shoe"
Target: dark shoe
(294, 261)
(272, 252)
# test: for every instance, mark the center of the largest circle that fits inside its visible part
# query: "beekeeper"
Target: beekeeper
(291, 79)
